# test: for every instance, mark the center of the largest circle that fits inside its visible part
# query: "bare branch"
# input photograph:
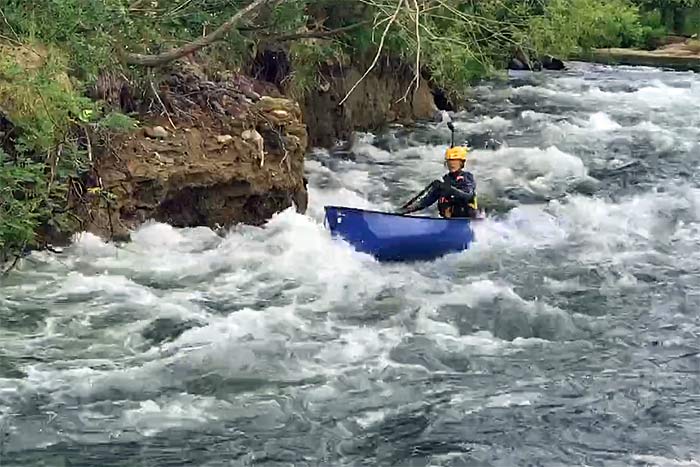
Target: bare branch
(155, 91)
(379, 51)
(180, 7)
(416, 78)
(169, 56)
(316, 34)
(415, 3)
(134, 5)
(10, 26)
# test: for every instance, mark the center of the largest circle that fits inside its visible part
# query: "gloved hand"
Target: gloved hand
(445, 186)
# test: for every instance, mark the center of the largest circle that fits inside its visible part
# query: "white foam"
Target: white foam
(88, 244)
(157, 235)
(600, 121)
(180, 412)
(512, 399)
(484, 124)
(660, 461)
(533, 116)
(541, 172)
(114, 286)
(655, 96)
(360, 344)
(370, 418)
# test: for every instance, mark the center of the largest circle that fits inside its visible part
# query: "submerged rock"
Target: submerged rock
(521, 61)
(164, 330)
(516, 64)
(552, 63)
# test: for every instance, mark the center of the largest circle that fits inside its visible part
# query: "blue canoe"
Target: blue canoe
(396, 237)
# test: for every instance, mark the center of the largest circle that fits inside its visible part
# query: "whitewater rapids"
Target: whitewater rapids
(568, 335)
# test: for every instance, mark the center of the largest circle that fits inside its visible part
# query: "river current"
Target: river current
(568, 335)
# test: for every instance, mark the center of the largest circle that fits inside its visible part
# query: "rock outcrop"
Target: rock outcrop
(380, 99)
(222, 154)
(521, 61)
(552, 63)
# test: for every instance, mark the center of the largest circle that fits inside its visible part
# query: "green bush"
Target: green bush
(118, 122)
(49, 115)
(22, 193)
(691, 21)
(572, 26)
(653, 29)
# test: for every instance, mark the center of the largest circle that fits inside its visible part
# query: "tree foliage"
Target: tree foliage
(668, 3)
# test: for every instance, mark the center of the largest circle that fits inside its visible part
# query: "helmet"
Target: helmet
(456, 152)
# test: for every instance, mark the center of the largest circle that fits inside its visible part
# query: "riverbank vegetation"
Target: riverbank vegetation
(59, 57)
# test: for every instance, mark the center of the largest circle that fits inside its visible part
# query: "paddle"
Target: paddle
(452, 136)
(412, 200)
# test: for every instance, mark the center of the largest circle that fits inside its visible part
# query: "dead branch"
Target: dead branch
(379, 51)
(415, 3)
(10, 40)
(169, 56)
(178, 8)
(155, 91)
(89, 144)
(134, 5)
(2, 12)
(416, 78)
(316, 34)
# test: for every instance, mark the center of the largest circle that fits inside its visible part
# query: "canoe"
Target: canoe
(397, 237)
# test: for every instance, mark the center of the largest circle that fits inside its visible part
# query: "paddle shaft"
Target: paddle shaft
(410, 201)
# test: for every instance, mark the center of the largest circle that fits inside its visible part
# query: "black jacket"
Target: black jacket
(455, 195)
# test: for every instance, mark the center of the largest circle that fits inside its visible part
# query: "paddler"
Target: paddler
(455, 193)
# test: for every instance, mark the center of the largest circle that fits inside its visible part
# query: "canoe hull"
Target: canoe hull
(395, 237)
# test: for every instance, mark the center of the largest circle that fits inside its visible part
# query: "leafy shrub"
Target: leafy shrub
(572, 26)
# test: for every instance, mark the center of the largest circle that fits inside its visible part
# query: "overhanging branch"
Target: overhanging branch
(316, 34)
(169, 56)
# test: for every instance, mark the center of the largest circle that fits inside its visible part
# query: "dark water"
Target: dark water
(569, 334)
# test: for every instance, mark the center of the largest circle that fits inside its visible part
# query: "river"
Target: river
(569, 334)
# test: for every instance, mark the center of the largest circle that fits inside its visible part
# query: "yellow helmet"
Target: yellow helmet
(456, 152)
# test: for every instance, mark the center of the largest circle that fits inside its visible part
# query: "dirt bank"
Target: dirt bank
(222, 154)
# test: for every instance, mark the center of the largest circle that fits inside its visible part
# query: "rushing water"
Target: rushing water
(568, 335)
